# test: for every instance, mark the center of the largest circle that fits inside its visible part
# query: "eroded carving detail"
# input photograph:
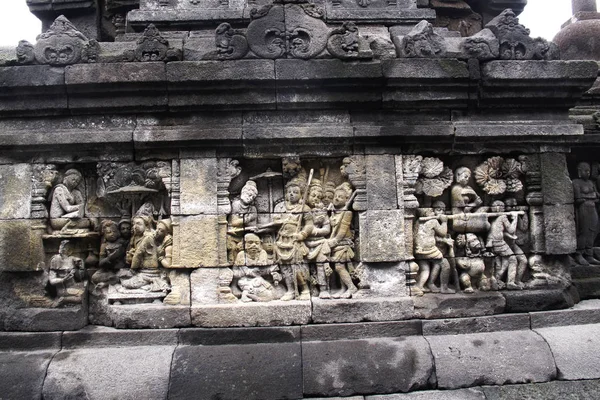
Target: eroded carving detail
(422, 41)
(231, 43)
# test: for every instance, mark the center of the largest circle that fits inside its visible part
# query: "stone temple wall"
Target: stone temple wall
(232, 164)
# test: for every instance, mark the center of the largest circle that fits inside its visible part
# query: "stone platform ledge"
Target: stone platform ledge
(274, 313)
(362, 309)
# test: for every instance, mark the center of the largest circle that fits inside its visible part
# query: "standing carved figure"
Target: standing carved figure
(586, 198)
(521, 237)
(469, 261)
(242, 218)
(501, 231)
(466, 201)
(248, 276)
(296, 224)
(112, 255)
(341, 241)
(318, 247)
(432, 233)
(164, 242)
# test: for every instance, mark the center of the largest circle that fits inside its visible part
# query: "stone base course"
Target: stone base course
(541, 355)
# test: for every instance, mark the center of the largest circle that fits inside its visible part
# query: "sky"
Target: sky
(542, 17)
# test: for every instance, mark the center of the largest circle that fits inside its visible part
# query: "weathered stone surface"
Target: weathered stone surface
(558, 390)
(155, 316)
(495, 358)
(249, 371)
(198, 186)
(14, 341)
(195, 242)
(557, 187)
(15, 191)
(100, 336)
(381, 182)
(385, 230)
(319, 333)
(325, 69)
(457, 326)
(587, 288)
(559, 229)
(273, 313)
(204, 285)
(537, 300)
(362, 309)
(385, 365)
(424, 68)
(45, 319)
(458, 305)
(386, 279)
(586, 312)
(575, 349)
(240, 336)
(20, 246)
(115, 372)
(460, 394)
(23, 373)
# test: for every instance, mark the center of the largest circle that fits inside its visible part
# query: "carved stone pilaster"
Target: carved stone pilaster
(44, 177)
(174, 188)
(228, 169)
(533, 186)
(353, 168)
(410, 168)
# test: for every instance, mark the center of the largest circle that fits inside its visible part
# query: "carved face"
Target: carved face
(343, 169)
(111, 233)
(72, 181)
(293, 194)
(328, 197)
(439, 210)
(497, 206)
(267, 244)
(161, 232)
(462, 176)
(584, 170)
(125, 230)
(252, 246)
(248, 195)
(511, 204)
(473, 243)
(339, 199)
(139, 227)
(315, 195)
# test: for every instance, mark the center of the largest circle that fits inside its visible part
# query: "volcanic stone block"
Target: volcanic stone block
(196, 238)
(377, 365)
(101, 336)
(23, 373)
(557, 187)
(362, 309)
(382, 236)
(15, 191)
(457, 326)
(204, 285)
(460, 394)
(576, 350)
(272, 313)
(458, 305)
(46, 319)
(494, 358)
(114, 372)
(198, 186)
(537, 300)
(381, 182)
(586, 312)
(263, 370)
(20, 246)
(370, 330)
(557, 390)
(559, 229)
(155, 316)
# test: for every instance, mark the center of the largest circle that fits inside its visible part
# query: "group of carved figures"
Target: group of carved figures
(587, 197)
(133, 251)
(477, 246)
(308, 243)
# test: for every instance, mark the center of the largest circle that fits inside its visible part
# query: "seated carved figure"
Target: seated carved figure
(112, 255)
(164, 242)
(143, 258)
(470, 261)
(67, 204)
(250, 281)
(66, 276)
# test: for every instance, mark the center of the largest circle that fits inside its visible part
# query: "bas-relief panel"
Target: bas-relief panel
(289, 230)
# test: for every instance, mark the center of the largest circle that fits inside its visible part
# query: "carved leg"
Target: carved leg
(521, 268)
(435, 272)
(501, 266)
(512, 274)
(350, 289)
(286, 271)
(445, 276)
(322, 281)
(465, 279)
(423, 276)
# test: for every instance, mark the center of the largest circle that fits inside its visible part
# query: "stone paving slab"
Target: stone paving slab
(239, 371)
(460, 394)
(22, 373)
(586, 312)
(364, 366)
(494, 358)
(576, 350)
(140, 372)
(557, 390)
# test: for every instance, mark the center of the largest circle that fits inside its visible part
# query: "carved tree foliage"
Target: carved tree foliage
(497, 176)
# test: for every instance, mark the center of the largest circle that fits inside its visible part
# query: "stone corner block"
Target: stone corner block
(559, 229)
(381, 182)
(557, 187)
(15, 191)
(21, 247)
(196, 240)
